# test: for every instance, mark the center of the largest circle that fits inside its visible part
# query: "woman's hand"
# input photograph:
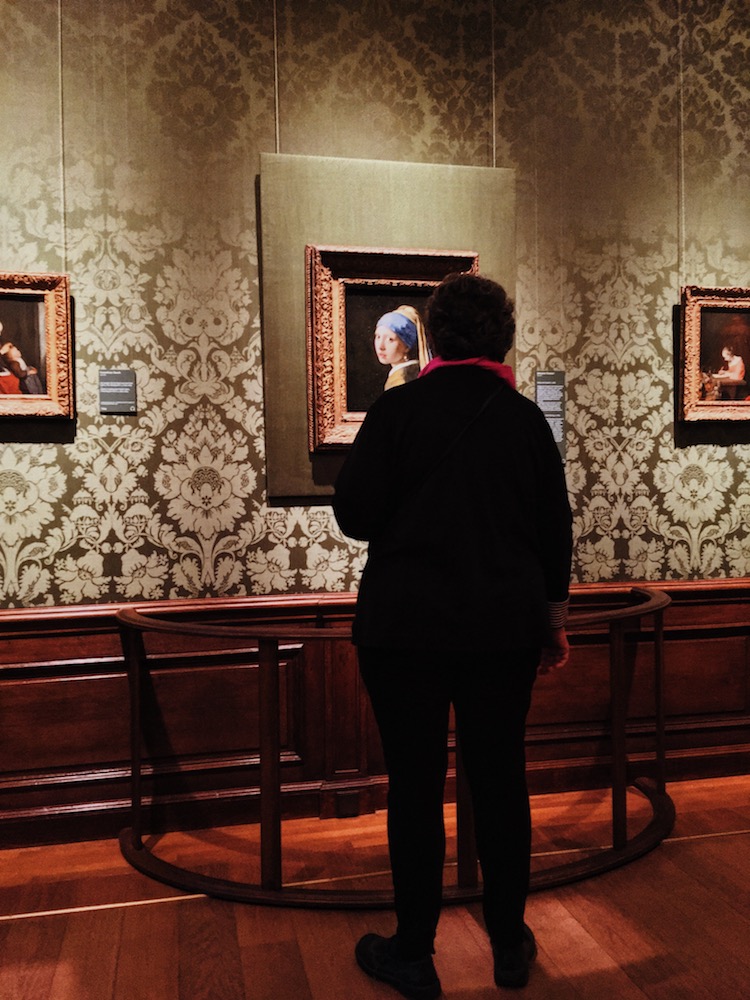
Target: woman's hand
(555, 651)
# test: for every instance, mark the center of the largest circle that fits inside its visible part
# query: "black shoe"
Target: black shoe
(378, 957)
(512, 964)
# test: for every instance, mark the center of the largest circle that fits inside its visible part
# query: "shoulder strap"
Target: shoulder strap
(470, 423)
(451, 446)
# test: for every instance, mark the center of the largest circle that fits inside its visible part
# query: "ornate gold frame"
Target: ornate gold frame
(54, 291)
(702, 396)
(330, 272)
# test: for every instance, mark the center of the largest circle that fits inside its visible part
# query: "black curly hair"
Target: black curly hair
(469, 316)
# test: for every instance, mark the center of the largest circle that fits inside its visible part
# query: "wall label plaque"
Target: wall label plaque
(117, 392)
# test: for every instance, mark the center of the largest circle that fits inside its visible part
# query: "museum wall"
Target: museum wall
(133, 132)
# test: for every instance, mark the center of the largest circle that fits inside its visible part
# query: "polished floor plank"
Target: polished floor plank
(87, 960)
(464, 956)
(29, 954)
(147, 959)
(210, 964)
(326, 947)
(261, 968)
(657, 971)
(572, 962)
(681, 937)
(720, 864)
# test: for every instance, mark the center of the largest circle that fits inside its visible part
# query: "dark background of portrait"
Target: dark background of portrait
(721, 328)
(365, 376)
(22, 317)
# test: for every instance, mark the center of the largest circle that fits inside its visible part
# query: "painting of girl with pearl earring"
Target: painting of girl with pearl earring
(400, 342)
(365, 333)
(386, 344)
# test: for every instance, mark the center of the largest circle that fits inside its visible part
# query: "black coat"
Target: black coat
(467, 516)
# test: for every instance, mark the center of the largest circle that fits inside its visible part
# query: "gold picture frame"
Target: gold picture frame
(714, 353)
(347, 289)
(36, 356)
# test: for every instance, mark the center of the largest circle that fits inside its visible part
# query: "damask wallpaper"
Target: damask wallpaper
(132, 140)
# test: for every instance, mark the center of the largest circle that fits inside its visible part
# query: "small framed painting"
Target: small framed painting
(36, 364)
(715, 353)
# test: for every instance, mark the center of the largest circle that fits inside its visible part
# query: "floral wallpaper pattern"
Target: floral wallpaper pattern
(627, 127)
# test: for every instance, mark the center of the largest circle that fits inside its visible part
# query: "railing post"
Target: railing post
(619, 714)
(661, 746)
(270, 766)
(135, 656)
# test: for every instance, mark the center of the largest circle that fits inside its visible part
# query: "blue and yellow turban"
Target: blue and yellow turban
(401, 325)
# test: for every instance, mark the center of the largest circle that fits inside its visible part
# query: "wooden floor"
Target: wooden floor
(76, 923)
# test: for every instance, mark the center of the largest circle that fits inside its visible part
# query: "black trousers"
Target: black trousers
(411, 693)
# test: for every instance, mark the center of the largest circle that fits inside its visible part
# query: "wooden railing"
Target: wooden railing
(134, 624)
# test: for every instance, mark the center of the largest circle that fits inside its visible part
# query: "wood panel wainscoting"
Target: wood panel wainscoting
(64, 747)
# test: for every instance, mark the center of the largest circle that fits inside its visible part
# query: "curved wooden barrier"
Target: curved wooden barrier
(133, 623)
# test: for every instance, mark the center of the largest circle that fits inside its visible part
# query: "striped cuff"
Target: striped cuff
(557, 613)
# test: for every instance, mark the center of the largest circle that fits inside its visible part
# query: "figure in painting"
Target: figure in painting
(733, 367)
(709, 389)
(28, 378)
(731, 376)
(15, 375)
(400, 342)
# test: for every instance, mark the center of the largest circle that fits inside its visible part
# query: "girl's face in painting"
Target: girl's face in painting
(389, 347)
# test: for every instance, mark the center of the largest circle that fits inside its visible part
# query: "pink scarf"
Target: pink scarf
(503, 371)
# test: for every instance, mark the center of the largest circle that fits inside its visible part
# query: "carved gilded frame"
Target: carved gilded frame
(332, 274)
(35, 314)
(711, 319)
